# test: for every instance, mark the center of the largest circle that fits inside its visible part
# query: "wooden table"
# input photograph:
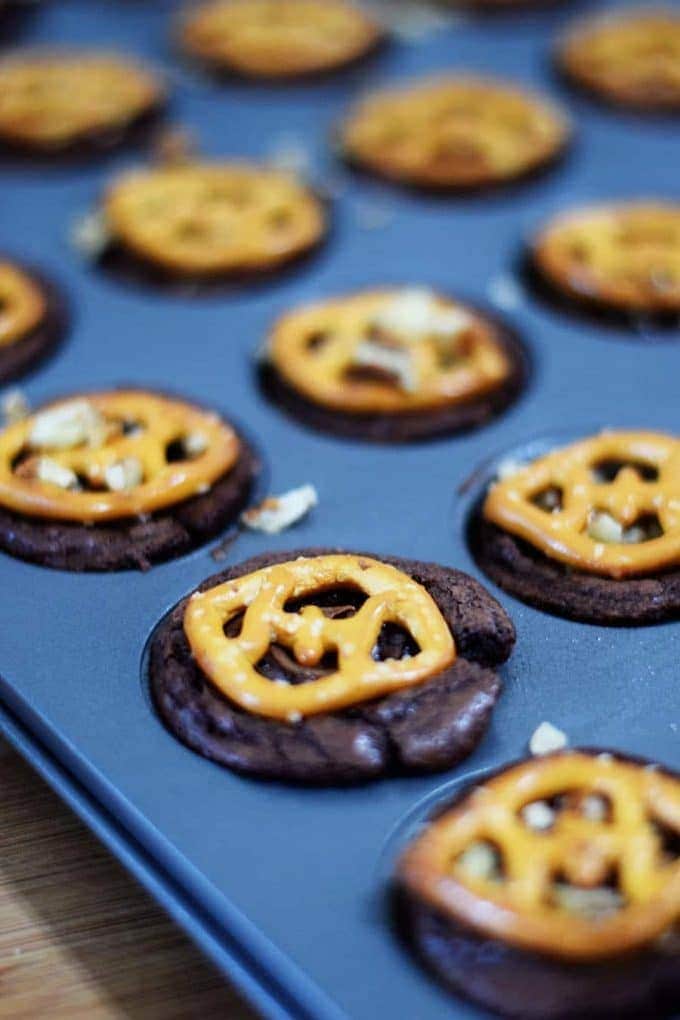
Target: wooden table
(78, 937)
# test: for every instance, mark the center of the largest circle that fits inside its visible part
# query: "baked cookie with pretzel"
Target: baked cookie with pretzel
(590, 531)
(278, 39)
(321, 666)
(68, 102)
(200, 221)
(392, 364)
(551, 889)
(119, 479)
(454, 133)
(32, 318)
(629, 58)
(622, 258)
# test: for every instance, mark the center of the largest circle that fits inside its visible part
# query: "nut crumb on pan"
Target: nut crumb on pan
(504, 292)
(90, 234)
(291, 154)
(276, 513)
(508, 467)
(546, 738)
(14, 406)
(413, 20)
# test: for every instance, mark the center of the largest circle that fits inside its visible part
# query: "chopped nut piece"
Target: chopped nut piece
(279, 512)
(68, 425)
(539, 815)
(15, 406)
(594, 807)
(194, 444)
(396, 362)
(416, 314)
(547, 738)
(480, 860)
(124, 474)
(48, 470)
(604, 528)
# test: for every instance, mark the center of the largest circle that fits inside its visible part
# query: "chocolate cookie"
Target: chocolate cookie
(629, 58)
(622, 259)
(571, 955)
(393, 365)
(278, 39)
(206, 223)
(429, 726)
(32, 318)
(454, 133)
(55, 104)
(124, 485)
(601, 568)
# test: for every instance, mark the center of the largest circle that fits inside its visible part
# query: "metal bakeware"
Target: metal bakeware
(285, 886)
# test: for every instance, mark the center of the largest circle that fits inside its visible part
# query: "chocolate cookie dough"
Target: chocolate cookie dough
(32, 318)
(127, 540)
(393, 365)
(427, 727)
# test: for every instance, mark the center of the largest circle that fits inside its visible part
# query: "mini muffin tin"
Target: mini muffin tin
(285, 886)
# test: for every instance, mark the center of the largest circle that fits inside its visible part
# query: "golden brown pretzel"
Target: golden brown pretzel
(50, 99)
(519, 900)
(631, 57)
(453, 132)
(124, 431)
(278, 38)
(624, 256)
(565, 531)
(392, 596)
(217, 218)
(22, 304)
(317, 350)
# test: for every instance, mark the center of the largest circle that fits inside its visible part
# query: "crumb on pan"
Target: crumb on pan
(276, 513)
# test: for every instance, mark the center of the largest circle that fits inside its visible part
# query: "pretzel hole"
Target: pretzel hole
(550, 499)
(280, 219)
(337, 603)
(318, 339)
(591, 902)
(367, 374)
(606, 471)
(669, 841)
(602, 527)
(394, 643)
(483, 860)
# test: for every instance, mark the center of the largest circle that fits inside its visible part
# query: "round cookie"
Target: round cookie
(391, 365)
(206, 222)
(119, 480)
(32, 319)
(423, 727)
(630, 58)
(620, 258)
(454, 133)
(278, 39)
(588, 926)
(590, 531)
(55, 103)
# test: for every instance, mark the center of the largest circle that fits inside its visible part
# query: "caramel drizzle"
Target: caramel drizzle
(161, 421)
(478, 364)
(230, 663)
(562, 534)
(517, 907)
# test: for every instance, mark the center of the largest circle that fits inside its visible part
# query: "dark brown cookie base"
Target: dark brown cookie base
(532, 577)
(426, 728)
(135, 544)
(525, 985)
(18, 358)
(403, 428)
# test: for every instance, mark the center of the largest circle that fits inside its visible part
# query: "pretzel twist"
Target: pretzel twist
(563, 533)
(392, 597)
(22, 304)
(159, 422)
(518, 906)
(443, 373)
(202, 218)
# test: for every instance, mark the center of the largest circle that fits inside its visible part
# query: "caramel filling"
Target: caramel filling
(49, 99)
(574, 855)
(213, 218)
(112, 455)
(609, 505)
(389, 351)
(264, 603)
(22, 304)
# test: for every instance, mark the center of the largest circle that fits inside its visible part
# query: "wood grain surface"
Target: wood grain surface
(78, 937)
